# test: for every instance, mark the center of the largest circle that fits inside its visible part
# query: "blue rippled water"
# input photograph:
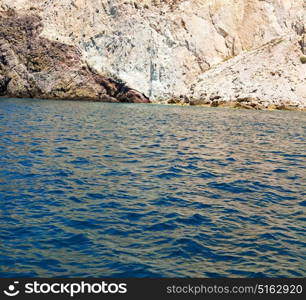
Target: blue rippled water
(120, 190)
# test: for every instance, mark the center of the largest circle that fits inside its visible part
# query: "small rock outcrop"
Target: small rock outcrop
(32, 66)
(269, 77)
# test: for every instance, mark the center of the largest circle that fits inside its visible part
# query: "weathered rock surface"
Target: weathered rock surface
(33, 66)
(179, 49)
(271, 76)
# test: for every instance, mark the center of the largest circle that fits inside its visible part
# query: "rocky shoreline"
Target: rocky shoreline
(248, 104)
(39, 58)
(238, 104)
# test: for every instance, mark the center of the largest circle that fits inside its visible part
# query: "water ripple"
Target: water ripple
(119, 190)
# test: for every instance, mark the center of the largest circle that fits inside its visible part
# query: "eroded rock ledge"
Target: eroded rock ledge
(34, 67)
(272, 76)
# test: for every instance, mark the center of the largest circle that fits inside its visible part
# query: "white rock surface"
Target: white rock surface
(269, 75)
(164, 49)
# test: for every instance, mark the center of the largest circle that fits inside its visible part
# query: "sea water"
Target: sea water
(134, 190)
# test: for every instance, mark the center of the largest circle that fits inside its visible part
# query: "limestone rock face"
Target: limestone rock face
(32, 66)
(271, 76)
(163, 49)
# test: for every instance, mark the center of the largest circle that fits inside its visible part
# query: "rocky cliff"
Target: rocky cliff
(248, 53)
(35, 67)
